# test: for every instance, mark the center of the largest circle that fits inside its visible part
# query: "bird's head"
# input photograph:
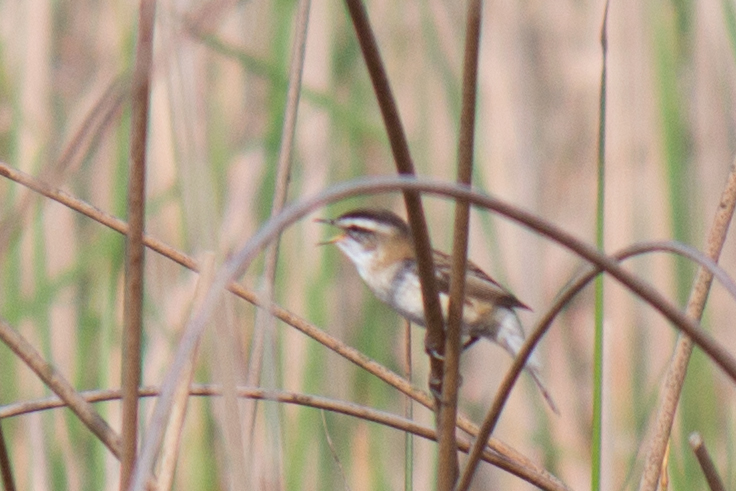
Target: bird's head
(370, 235)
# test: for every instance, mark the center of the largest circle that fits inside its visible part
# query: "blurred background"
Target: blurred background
(217, 108)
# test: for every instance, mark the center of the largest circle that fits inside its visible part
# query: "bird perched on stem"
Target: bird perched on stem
(380, 245)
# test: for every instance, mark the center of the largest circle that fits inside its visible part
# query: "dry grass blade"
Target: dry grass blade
(678, 366)
(282, 175)
(333, 451)
(706, 463)
(408, 410)
(170, 447)
(264, 336)
(134, 250)
(596, 444)
(60, 386)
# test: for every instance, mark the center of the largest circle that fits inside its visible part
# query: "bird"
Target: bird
(379, 244)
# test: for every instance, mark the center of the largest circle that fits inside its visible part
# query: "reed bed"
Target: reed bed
(257, 107)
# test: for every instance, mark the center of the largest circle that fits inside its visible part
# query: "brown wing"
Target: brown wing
(477, 283)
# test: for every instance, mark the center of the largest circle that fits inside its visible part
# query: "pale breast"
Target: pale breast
(405, 293)
(399, 287)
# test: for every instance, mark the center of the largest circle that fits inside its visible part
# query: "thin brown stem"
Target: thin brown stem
(706, 462)
(435, 338)
(134, 250)
(678, 366)
(448, 466)
(60, 386)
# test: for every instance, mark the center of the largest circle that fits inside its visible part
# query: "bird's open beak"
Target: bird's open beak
(327, 221)
(337, 238)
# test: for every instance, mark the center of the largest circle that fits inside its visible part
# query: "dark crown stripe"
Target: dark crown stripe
(379, 215)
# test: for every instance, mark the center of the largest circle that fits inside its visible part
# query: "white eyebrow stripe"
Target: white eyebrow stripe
(367, 224)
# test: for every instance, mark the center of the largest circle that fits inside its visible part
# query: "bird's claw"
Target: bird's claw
(435, 387)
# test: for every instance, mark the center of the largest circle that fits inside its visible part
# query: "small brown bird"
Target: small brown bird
(380, 245)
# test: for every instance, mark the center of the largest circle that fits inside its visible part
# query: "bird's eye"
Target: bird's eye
(357, 232)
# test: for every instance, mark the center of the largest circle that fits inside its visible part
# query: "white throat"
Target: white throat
(362, 258)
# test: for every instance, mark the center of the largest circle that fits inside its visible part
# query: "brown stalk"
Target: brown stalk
(264, 337)
(134, 250)
(60, 386)
(448, 466)
(6, 470)
(715, 483)
(678, 366)
(435, 337)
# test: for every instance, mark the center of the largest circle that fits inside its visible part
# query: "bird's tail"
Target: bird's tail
(510, 335)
